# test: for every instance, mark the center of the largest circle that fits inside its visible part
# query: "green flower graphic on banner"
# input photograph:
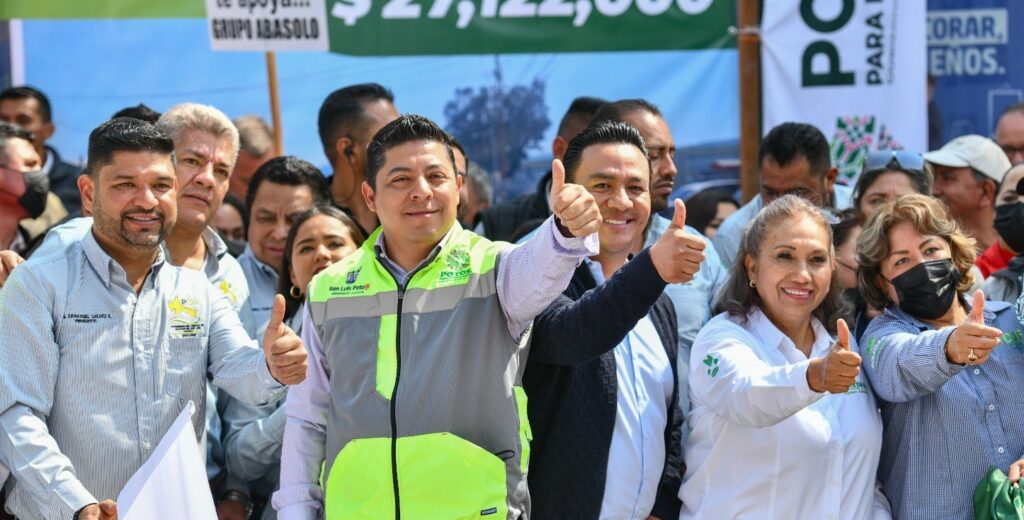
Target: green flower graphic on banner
(856, 136)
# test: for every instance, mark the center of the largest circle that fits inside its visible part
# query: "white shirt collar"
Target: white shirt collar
(772, 337)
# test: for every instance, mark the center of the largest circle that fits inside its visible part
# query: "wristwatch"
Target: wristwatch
(241, 498)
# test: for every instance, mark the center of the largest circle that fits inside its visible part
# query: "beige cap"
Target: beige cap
(974, 151)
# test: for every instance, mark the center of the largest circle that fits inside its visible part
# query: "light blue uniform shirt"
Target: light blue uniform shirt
(693, 302)
(94, 373)
(730, 233)
(262, 279)
(945, 424)
(223, 272)
(253, 439)
(643, 395)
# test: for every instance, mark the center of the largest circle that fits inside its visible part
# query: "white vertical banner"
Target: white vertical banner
(172, 484)
(856, 69)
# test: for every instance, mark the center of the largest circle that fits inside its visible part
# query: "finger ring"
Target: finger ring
(972, 356)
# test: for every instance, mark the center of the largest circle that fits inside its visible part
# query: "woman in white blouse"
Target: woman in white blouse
(783, 424)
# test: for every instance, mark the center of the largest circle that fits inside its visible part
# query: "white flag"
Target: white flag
(172, 484)
(854, 69)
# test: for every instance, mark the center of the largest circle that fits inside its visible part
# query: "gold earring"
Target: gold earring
(294, 291)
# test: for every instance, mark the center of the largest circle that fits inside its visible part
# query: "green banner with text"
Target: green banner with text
(58, 9)
(442, 27)
(425, 27)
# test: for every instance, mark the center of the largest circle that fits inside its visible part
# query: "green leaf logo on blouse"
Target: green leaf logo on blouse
(712, 364)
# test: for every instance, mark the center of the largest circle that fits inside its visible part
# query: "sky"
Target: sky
(90, 69)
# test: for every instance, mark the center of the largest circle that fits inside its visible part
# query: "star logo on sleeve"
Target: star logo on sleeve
(228, 291)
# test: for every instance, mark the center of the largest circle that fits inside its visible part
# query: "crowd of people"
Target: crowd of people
(383, 341)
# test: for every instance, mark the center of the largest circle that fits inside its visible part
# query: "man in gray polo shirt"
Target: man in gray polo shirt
(108, 342)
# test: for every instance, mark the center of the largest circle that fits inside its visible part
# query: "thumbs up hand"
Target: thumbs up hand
(677, 254)
(576, 211)
(977, 314)
(973, 341)
(835, 372)
(284, 351)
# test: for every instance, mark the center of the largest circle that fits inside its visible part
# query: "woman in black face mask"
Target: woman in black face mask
(948, 373)
(1005, 285)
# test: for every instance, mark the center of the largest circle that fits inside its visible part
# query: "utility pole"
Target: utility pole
(749, 46)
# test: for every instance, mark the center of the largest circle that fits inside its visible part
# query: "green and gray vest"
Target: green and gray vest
(427, 416)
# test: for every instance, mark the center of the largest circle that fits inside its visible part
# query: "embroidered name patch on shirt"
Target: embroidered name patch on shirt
(86, 318)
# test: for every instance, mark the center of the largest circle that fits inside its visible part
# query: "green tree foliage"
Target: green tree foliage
(498, 126)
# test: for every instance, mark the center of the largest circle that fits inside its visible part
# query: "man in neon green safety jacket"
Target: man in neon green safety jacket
(413, 406)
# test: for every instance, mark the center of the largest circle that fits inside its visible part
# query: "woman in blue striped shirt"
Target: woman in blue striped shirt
(948, 373)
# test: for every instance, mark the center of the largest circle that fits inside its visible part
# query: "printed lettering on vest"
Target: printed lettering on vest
(457, 267)
(490, 511)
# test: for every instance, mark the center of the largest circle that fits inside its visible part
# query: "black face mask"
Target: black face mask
(1010, 225)
(927, 290)
(37, 185)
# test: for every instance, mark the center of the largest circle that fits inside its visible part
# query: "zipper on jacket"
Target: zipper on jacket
(398, 377)
(394, 400)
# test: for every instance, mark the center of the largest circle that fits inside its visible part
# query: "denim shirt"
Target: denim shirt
(945, 424)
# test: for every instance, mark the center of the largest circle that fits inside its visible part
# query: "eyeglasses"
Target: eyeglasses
(894, 160)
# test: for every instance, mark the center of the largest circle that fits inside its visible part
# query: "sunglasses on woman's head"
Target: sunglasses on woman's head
(894, 160)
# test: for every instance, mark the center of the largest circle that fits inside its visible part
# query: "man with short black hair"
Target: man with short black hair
(794, 158)
(968, 171)
(661, 147)
(29, 108)
(140, 111)
(504, 221)
(105, 342)
(349, 118)
(23, 188)
(414, 407)
(692, 301)
(611, 333)
(280, 190)
(1010, 132)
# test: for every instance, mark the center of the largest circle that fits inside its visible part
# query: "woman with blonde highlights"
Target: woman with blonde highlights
(784, 425)
(948, 378)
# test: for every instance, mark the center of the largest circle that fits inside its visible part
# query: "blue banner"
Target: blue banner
(975, 58)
